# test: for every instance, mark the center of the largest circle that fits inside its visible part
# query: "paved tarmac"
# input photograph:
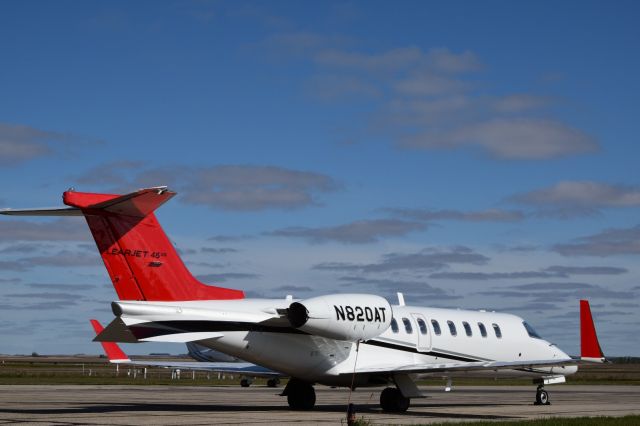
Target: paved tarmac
(173, 405)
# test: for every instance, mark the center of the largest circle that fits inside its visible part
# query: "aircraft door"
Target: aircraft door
(423, 332)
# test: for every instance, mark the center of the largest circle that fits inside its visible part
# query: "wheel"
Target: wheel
(391, 400)
(245, 383)
(301, 396)
(542, 397)
(272, 383)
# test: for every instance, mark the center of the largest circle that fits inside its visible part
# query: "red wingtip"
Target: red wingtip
(97, 327)
(113, 351)
(589, 345)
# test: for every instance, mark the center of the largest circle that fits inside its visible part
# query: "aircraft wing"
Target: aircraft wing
(244, 368)
(117, 356)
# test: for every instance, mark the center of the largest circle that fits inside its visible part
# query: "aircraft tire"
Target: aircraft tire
(542, 397)
(301, 397)
(391, 400)
(245, 383)
(272, 383)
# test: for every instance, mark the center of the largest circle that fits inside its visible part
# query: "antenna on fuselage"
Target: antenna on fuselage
(400, 299)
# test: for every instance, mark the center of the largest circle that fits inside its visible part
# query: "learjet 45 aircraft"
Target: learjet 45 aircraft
(352, 340)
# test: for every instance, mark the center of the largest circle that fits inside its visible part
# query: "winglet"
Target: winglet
(113, 351)
(589, 346)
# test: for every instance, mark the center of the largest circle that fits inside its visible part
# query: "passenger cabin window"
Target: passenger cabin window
(496, 329)
(531, 331)
(467, 328)
(394, 325)
(407, 325)
(452, 328)
(483, 329)
(436, 327)
(422, 326)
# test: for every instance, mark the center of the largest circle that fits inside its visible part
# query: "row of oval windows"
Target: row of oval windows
(436, 327)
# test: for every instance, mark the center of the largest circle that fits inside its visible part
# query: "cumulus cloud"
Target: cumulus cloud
(520, 102)
(256, 187)
(228, 238)
(220, 250)
(64, 229)
(587, 270)
(293, 289)
(610, 242)
(558, 291)
(358, 232)
(43, 295)
(63, 258)
(424, 260)
(224, 187)
(20, 143)
(582, 194)
(23, 248)
(61, 287)
(223, 277)
(483, 276)
(510, 138)
(430, 99)
(550, 272)
(389, 288)
(438, 59)
(489, 215)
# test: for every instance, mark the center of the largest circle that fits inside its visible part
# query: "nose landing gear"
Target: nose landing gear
(542, 396)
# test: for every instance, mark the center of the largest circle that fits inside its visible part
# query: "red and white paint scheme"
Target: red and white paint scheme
(353, 340)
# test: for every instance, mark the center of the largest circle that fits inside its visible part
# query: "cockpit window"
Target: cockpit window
(436, 327)
(496, 329)
(422, 326)
(467, 328)
(394, 325)
(531, 331)
(452, 328)
(407, 325)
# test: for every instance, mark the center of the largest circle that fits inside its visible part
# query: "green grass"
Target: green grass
(557, 421)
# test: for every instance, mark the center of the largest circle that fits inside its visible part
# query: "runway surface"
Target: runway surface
(125, 405)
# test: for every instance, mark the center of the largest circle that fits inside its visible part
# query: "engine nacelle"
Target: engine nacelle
(342, 316)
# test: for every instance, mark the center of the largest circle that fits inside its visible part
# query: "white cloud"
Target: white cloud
(515, 139)
(582, 194)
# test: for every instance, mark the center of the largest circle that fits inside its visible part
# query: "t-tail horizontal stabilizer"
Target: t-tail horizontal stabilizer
(590, 349)
(141, 261)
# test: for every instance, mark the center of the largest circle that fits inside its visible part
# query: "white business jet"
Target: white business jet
(352, 340)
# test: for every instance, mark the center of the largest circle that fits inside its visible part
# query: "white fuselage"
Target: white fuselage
(330, 361)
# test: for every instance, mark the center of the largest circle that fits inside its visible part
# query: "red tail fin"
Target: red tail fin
(140, 259)
(113, 351)
(589, 345)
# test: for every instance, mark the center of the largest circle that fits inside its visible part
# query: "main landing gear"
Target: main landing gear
(542, 396)
(392, 400)
(272, 383)
(300, 395)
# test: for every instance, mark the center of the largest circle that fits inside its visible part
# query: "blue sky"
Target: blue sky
(471, 155)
